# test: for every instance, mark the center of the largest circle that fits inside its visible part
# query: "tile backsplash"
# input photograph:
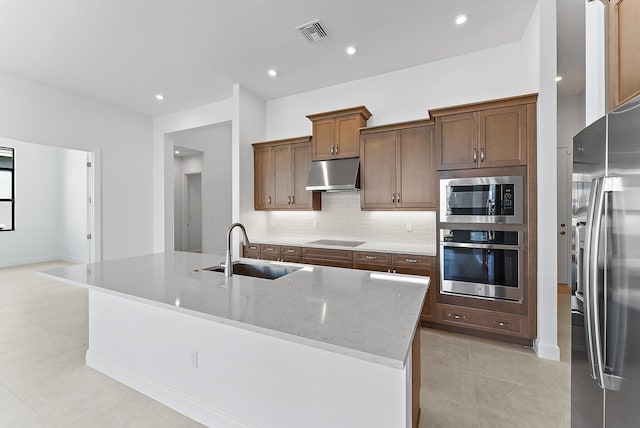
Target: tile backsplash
(341, 218)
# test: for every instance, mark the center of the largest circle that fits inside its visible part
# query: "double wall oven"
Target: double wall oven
(481, 241)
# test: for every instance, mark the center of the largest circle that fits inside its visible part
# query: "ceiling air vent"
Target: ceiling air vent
(312, 31)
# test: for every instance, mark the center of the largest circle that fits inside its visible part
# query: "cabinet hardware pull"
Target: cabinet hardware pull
(411, 260)
(370, 257)
(332, 149)
(562, 225)
(291, 251)
(269, 249)
(337, 148)
(394, 271)
(398, 198)
(288, 199)
(563, 233)
(293, 199)
(457, 316)
(269, 200)
(502, 324)
(482, 155)
(393, 197)
(475, 155)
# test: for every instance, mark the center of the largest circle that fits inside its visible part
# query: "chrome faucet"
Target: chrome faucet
(228, 271)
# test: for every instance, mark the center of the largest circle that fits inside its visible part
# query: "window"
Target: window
(7, 208)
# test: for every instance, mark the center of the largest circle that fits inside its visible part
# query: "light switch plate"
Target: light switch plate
(409, 226)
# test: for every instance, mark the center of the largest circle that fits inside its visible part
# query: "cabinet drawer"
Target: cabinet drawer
(291, 251)
(325, 254)
(413, 261)
(480, 319)
(251, 251)
(266, 249)
(371, 258)
(291, 259)
(372, 267)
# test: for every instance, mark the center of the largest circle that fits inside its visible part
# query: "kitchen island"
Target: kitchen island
(318, 347)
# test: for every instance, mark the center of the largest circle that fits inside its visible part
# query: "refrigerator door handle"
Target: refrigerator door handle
(592, 242)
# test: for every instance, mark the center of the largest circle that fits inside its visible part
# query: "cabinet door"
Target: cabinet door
(378, 171)
(347, 139)
(503, 136)
(415, 175)
(323, 137)
(263, 178)
(457, 141)
(282, 176)
(301, 163)
(623, 51)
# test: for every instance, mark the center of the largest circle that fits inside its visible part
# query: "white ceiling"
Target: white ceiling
(193, 51)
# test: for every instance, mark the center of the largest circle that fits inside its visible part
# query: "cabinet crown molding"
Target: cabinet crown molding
(484, 105)
(362, 110)
(304, 139)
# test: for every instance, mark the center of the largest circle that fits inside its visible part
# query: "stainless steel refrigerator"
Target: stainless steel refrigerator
(605, 308)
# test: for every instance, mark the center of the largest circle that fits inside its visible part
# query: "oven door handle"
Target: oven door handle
(482, 246)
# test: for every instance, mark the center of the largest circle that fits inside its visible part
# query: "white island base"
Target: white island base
(224, 376)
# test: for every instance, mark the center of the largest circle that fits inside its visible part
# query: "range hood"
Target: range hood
(334, 175)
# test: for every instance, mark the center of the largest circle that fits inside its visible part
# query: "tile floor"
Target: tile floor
(44, 382)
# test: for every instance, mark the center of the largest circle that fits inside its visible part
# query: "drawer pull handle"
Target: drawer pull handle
(502, 324)
(269, 249)
(291, 251)
(411, 260)
(457, 316)
(370, 257)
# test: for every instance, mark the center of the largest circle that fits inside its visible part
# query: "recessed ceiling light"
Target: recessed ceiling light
(272, 73)
(351, 50)
(461, 19)
(177, 152)
(558, 78)
(159, 97)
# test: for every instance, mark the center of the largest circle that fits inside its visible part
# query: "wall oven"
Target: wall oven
(482, 200)
(482, 263)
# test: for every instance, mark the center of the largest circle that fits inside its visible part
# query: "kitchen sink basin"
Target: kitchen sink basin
(255, 270)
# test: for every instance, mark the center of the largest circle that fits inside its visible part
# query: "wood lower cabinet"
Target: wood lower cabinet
(336, 133)
(281, 169)
(484, 320)
(251, 251)
(326, 257)
(397, 167)
(623, 51)
(484, 135)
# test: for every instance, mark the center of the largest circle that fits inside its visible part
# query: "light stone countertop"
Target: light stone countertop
(362, 314)
(385, 247)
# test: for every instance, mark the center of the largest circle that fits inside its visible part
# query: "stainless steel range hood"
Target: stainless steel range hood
(334, 175)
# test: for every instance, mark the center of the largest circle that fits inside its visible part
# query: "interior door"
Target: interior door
(564, 216)
(194, 212)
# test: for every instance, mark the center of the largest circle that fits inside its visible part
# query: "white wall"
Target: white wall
(50, 210)
(36, 208)
(571, 118)
(219, 113)
(595, 61)
(73, 243)
(215, 144)
(42, 114)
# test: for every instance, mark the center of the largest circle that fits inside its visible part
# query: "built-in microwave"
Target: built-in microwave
(494, 200)
(482, 263)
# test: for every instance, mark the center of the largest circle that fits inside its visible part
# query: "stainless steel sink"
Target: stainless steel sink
(255, 270)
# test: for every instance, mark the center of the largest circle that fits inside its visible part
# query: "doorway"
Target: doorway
(192, 213)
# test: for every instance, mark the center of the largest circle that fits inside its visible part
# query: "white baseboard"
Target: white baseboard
(42, 259)
(546, 351)
(164, 394)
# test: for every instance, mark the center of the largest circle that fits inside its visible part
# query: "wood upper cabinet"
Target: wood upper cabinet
(336, 133)
(623, 51)
(281, 169)
(397, 167)
(483, 135)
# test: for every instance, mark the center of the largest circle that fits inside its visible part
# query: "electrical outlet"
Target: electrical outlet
(409, 226)
(194, 359)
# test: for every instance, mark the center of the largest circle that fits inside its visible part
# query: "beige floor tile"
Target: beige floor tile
(12, 357)
(27, 381)
(448, 417)
(23, 334)
(448, 350)
(9, 320)
(76, 396)
(20, 415)
(135, 410)
(7, 398)
(443, 383)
